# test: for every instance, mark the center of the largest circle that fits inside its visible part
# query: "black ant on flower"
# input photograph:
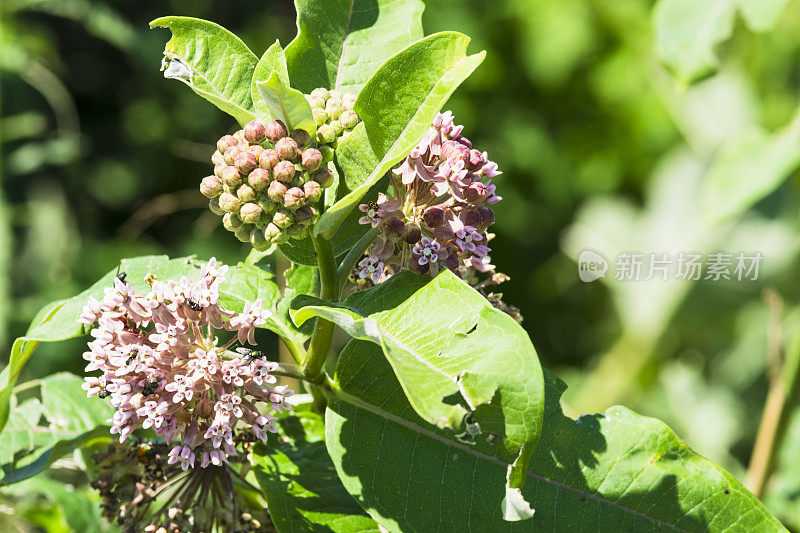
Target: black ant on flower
(150, 388)
(194, 306)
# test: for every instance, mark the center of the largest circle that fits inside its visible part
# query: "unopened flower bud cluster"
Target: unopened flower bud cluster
(333, 113)
(440, 213)
(163, 370)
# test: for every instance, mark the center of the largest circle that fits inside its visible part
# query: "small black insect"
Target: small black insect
(250, 354)
(150, 389)
(194, 306)
(134, 355)
(104, 393)
(121, 275)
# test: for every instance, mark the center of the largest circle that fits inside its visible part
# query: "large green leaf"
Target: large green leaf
(301, 485)
(613, 472)
(340, 43)
(435, 335)
(286, 103)
(214, 62)
(39, 431)
(749, 168)
(397, 106)
(687, 31)
(273, 60)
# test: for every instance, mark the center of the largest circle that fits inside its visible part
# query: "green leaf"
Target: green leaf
(613, 472)
(439, 355)
(397, 106)
(300, 280)
(687, 31)
(340, 43)
(286, 104)
(70, 420)
(300, 483)
(749, 168)
(214, 62)
(273, 60)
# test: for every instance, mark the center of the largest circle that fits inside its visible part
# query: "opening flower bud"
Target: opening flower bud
(287, 148)
(245, 162)
(433, 217)
(454, 151)
(211, 186)
(326, 134)
(349, 119)
(284, 171)
(229, 203)
(312, 191)
(258, 179)
(258, 240)
(412, 234)
(301, 137)
(276, 191)
(476, 161)
(250, 213)
(231, 222)
(306, 215)
(246, 193)
(294, 198)
(231, 177)
(225, 142)
(283, 218)
(214, 206)
(321, 92)
(230, 154)
(476, 192)
(320, 116)
(323, 176)
(275, 130)
(243, 233)
(271, 232)
(255, 132)
(268, 159)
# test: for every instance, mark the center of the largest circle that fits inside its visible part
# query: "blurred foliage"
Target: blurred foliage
(600, 145)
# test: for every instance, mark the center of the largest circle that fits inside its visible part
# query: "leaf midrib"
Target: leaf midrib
(337, 85)
(374, 409)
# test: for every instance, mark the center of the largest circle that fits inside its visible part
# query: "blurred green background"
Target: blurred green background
(601, 147)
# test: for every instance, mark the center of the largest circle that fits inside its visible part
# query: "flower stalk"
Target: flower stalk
(322, 336)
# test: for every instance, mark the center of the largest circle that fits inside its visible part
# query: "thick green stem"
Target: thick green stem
(314, 362)
(782, 397)
(355, 254)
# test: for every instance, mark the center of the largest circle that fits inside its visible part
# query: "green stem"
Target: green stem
(295, 349)
(355, 254)
(314, 362)
(289, 371)
(783, 395)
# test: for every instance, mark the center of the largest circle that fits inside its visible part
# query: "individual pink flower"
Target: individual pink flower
(375, 211)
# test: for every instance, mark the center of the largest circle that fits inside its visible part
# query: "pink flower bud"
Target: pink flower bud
(320, 116)
(217, 158)
(312, 191)
(225, 142)
(287, 148)
(275, 130)
(276, 191)
(268, 159)
(258, 179)
(255, 132)
(250, 213)
(284, 171)
(476, 193)
(454, 151)
(256, 150)
(245, 162)
(283, 218)
(433, 217)
(311, 159)
(230, 154)
(471, 216)
(271, 232)
(487, 217)
(229, 203)
(293, 198)
(211, 186)
(321, 92)
(476, 161)
(348, 100)
(349, 119)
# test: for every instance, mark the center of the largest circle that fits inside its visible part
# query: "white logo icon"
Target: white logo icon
(591, 266)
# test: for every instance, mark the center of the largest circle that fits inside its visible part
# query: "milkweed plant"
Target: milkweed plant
(428, 410)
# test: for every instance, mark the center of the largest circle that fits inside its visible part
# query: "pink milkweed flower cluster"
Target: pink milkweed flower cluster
(440, 213)
(162, 369)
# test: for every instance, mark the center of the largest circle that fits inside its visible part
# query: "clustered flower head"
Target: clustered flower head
(333, 113)
(440, 213)
(137, 486)
(163, 370)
